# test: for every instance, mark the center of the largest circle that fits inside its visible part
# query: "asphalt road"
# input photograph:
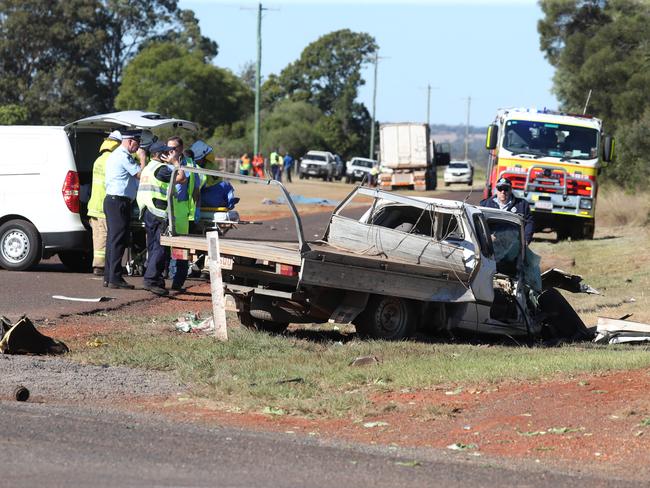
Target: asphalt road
(50, 445)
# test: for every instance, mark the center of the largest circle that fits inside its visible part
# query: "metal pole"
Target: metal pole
(374, 103)
(428, 102)
(469, 102)
(258, 69)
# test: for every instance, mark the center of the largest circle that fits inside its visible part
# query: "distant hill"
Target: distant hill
(455, 136)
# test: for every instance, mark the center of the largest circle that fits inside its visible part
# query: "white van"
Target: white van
(45, 176)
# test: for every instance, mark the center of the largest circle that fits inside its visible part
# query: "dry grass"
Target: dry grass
(617, 208)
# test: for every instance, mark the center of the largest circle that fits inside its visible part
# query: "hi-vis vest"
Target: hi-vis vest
(192, 205)
(98, 188)
(152, 189)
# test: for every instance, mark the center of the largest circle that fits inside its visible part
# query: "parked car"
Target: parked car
(357, 169)
(459, 172)
(321, 164)
(45, 192)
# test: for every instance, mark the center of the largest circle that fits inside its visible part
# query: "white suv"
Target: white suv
(459, 172)
(358, 168)
(46, 176)
(321, 164)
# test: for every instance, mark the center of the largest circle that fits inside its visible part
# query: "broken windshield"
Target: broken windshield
(541, 139)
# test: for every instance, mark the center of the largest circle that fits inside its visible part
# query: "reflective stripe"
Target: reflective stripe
(153, 188)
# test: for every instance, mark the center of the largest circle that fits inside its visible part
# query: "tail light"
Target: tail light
(70, 191)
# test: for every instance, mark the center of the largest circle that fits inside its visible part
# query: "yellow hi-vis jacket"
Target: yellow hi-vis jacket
(152, 192)
(98, 188)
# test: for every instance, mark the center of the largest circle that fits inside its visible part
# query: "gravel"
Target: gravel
(59, 379)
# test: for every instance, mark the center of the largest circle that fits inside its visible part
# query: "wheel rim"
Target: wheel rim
(390, 317)
(15, 246)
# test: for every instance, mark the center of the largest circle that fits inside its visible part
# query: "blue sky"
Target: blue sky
(488, 50)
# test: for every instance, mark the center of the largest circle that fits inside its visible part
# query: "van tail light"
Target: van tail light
(70, 191)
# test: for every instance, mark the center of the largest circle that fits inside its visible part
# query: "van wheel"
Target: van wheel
(20, 245)
(77, 261)
(389, 318)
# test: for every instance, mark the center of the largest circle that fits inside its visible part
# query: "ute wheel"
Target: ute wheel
(389, 318)
(20, 245)
(77, 261)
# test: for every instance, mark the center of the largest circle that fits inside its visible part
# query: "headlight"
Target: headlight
(585, 203)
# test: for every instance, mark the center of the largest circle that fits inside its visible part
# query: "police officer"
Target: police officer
(122, 174)
(505, 200)
(152, 200)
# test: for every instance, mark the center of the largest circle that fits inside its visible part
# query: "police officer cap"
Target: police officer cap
(131, 134)
(147, 139)
(503, 183)
(158, 147)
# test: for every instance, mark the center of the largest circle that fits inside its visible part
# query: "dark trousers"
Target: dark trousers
(118, 218)
(289, 168)
(154, 226)
(276, 171)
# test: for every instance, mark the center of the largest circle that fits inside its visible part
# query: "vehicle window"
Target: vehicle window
(506, 240)
(316, 157)
(458, 165)
(545, 139)
(363, 163)
(481, 226)
(411, 220)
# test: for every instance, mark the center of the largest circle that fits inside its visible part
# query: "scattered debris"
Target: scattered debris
(96, 342)
(192, 322)
(23, 338)
(21, 394)
(459, 446)
(372, 425)
(76, 299)
(409, 464)
(274, 411)
(365, 361)
(290, 380)
(457, 391)
(619, 331)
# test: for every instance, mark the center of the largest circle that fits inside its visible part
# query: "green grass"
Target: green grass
(249, 371)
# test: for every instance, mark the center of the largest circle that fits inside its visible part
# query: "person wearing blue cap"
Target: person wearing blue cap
(121, 180)
(505, 200)
(152, 200)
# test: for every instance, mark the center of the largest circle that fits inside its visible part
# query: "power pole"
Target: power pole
(258, 69)
(428, 103)
(469, 102)
(374, 103)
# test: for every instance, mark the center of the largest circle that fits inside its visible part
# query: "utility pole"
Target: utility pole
(428, 103)
(469, 102)
(374, 103)
(258, 69)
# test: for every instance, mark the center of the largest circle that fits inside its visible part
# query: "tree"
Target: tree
(328, 76)
(602, 46)
(63, 59)
(169, 78)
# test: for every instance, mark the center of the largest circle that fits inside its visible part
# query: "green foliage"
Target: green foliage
(170, 78)
(13, 115)
(292, 127)
(601, 45)
(633, 148)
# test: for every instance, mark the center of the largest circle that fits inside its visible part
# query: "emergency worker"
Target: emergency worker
(374, 172)
(152, 200)
(96, 214)
(504, 199)
(276, 165)
(185, 204)
(258, 165)
(244, 165)
(288, 165)
(122, 174)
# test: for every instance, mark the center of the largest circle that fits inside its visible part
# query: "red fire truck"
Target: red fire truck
(553, 160)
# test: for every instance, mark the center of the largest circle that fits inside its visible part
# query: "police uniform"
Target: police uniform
(152, 201)
(121, 190)
(514, 205)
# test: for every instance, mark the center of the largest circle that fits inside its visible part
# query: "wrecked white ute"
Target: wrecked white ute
(482, 278)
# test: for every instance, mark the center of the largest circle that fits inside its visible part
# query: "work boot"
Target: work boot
(178, 288)
(121, 285)
(98, 271)
(157, 290)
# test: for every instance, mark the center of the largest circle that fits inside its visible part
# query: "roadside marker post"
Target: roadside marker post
(216, 287)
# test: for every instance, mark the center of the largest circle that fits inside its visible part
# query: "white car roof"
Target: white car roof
(130, 118)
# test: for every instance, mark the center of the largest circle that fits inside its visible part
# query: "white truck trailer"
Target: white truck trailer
(408, 157)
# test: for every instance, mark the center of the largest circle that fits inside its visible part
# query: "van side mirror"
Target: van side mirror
(492, 135)
(608, 149)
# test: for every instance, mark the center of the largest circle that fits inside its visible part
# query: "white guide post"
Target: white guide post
(216, 288)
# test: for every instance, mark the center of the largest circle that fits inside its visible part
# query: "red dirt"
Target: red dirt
(590, 421)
